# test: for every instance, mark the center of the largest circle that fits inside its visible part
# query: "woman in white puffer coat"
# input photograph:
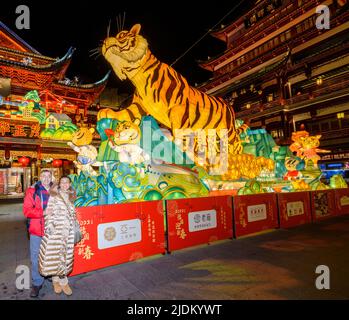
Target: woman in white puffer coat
(57, 247)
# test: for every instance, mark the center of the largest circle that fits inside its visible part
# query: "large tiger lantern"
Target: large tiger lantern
(163, 93)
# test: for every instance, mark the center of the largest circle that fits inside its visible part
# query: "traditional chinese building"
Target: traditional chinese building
(34, 90)
(281, 71)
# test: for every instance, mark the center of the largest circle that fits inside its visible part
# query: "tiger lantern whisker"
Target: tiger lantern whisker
(108, 29)
(123, 22)
(117, 23)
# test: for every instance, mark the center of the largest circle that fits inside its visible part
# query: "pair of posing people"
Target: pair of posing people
(50, 213)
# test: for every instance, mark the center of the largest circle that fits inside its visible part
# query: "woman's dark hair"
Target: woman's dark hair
(64, 177)
(71, 190)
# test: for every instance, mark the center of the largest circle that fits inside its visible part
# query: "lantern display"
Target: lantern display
(66, 163)
(24, 161)
(57, 163)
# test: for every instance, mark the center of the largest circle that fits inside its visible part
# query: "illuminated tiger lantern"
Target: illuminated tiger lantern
(307, 147)
(125, 141)
(163, 93)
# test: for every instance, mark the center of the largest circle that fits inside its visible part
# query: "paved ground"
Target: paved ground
(275, 265)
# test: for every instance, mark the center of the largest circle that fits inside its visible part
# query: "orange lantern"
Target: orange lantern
(57, 163)
(24, 161)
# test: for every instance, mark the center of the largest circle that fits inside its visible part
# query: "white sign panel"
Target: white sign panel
(256, 213)
(295, 208)
(119, 233)
(202, 220)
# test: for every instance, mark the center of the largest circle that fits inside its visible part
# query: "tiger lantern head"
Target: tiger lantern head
(126, 132)
(83, 137)
(310, 142)
(125, 141)
(125, 52)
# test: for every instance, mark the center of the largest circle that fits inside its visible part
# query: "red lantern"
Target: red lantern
(24, 161)
(66, 163)
(57, 163)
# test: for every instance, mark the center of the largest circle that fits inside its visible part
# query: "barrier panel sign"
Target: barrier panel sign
(197, 221)
(342, 200)
(294, 209)
(255, 213)
(322, 204)
(114, 234)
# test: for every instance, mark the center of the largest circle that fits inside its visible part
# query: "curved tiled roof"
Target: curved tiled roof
(56, 64)
(18, 38)
(27, 54)
(87, 86)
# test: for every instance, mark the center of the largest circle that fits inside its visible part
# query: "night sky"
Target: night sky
(170, 27)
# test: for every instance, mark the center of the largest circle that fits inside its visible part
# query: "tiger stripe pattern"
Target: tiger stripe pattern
(164, 93)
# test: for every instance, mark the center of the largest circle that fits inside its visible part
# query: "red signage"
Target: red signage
(19, 130)
(255, 213)
(322, 204)
(342, 200)
(197, 221)
(294, 209)
(115, 234)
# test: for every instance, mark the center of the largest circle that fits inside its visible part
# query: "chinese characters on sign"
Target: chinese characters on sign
(84, 250)
(151, 229)
(202, 220)
(119, 233)
(337, 156)
(295, 208)
(30, 130)
(179, 224)
(223, 217)
(256, 213)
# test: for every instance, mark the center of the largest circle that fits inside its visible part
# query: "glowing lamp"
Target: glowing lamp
(57, 163)
(66, 163)
(24, 161)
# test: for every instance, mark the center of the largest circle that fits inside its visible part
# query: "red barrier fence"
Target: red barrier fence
(294, 209)
(342, 201)
(197, 221)
(114, 234)
(322, 204)
(255, 213)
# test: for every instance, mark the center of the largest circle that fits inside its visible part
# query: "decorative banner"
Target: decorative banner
(342, 201)
(255, 213)
(322, 204)
(197, 221)
(119, 233)
(19, 130)
(294, 209)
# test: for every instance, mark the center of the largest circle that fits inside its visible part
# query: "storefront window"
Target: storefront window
(14, 182)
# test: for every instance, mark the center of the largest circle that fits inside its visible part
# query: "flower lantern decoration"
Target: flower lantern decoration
(24, 161)
(57, 163)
